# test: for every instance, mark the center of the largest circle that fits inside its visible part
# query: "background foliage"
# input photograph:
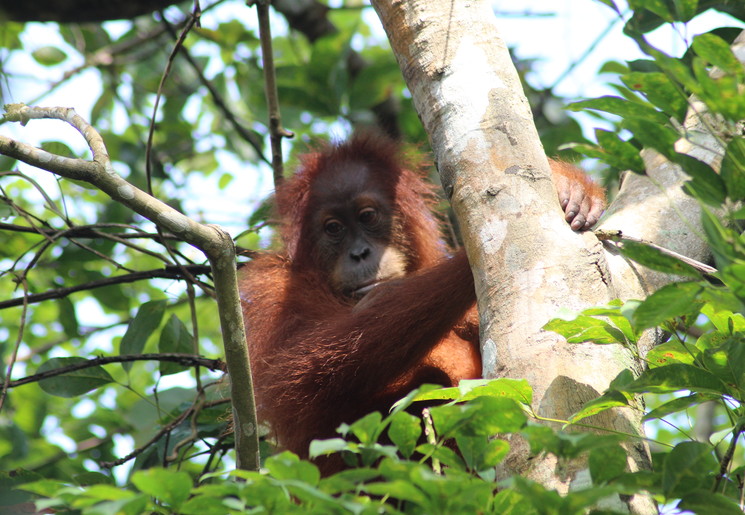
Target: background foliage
(71, 436)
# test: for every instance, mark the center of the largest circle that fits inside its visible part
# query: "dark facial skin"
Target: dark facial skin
(353, 230)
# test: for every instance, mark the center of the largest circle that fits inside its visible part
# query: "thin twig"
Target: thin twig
(276, 131)
(87, 231)
(14, 355)
(217, 99)
(169, 272)
(727, 458)
(618, 236)
(187, 360)
(429, 433)
(166, 429)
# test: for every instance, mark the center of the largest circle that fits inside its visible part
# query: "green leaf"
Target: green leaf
(68, 318)
(169, 486)
(704, 501)
(510, 502)
(727, 362)
(655, 259)
(481, 416)
(668, 302)
(660, 91)
(610, 399)
(733, 169)
(659, 7)
(398, 489)
(716, 51)
(174, 337)
(74, 383)
(48, 55)
(622, 108)
(724, 320)
(404, 432)
(669, 352)
(586, 329)
(481, 452)
(467, 389)
(287, 465)
(141, 327)
(368, 428)
(620, 154)
(328, 446)
(679, 404)
(687, 467)
(607, 463)
(706, 184)
(676, 377)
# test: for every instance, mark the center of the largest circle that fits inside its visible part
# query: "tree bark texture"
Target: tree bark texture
(527, 262)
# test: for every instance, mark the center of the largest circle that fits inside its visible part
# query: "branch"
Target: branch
(252, 139)
(86, 231)
(165, 429)
(618, 237)
(186, 360)
(169, 272)
(210, 239)
(276, 131)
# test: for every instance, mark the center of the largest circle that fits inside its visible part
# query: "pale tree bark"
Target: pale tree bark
(527, 262)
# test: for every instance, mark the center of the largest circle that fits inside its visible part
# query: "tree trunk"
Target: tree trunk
(527, 263)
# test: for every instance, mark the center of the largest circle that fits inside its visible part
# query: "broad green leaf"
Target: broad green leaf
(721, 93)
(704, 501)
(398, 489)
(652, 134)
(727, 362)
(655, 259)
(481, 416)
(679, 404)
(169, 486)
(733, 169)
(328, 446)
(67, 317)
(467, 389)
(586, 329)
(706, 184)
(677, 377)
(141, 327)
(621, 154)
(724, 320)
(74, 383)
(622, 108)
(659, 7)
(687, 468)
(481, 452)
(660, 91)
(174, 338)
(607, 463)
(717, 52)
(610, 399)
(668, 302)
(368, 428)
(287, 465)
(404, 431)
(48, 55)
(669, 352)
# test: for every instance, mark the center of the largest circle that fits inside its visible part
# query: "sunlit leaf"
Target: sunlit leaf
(73, 383)
(141, 327)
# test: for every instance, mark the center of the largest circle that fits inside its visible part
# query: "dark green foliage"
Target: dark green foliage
(401, 463)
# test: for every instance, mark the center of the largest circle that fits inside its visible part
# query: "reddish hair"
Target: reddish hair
(413, 197)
